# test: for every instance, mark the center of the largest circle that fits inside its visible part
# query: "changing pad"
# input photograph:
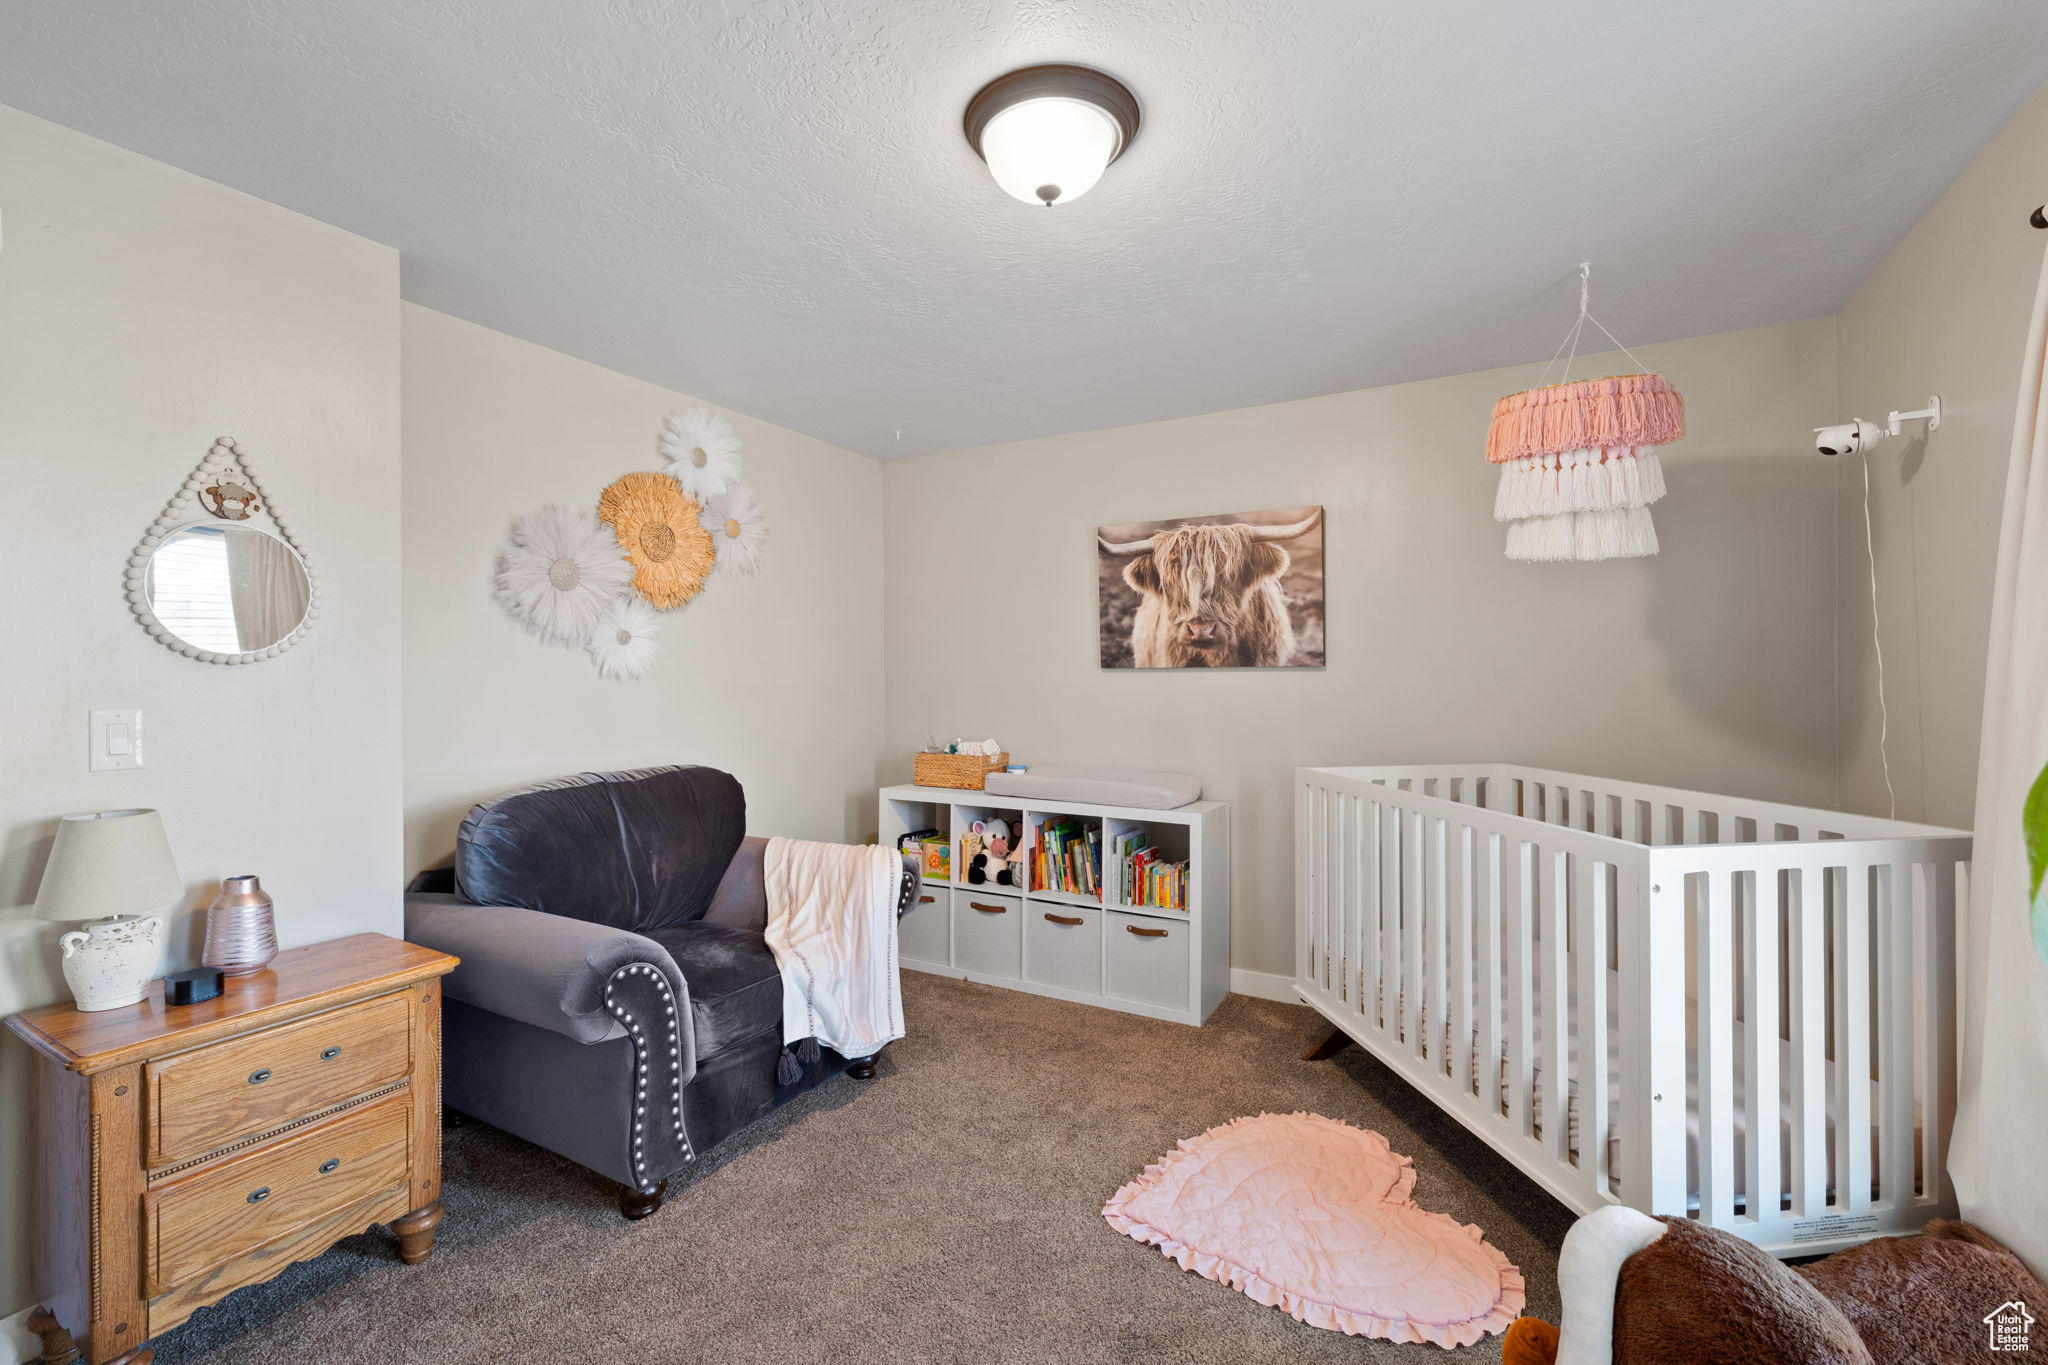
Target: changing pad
(1099, 786)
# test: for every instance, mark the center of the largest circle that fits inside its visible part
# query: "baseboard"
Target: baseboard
(1263, 985)
(17, 1343)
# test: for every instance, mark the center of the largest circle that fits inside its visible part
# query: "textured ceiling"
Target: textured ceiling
(770, 204)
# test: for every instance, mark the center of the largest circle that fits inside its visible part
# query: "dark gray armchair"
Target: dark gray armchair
(617, 1002)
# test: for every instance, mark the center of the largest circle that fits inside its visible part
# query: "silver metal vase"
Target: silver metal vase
(241, 930)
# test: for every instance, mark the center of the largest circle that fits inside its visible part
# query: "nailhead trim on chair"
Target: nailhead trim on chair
(671, 1025)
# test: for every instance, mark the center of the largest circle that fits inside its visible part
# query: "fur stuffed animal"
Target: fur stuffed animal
(1648, 1291)
(994, 857)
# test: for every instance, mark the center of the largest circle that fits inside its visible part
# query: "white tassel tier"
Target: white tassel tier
(1605, 533)
(1578, 481)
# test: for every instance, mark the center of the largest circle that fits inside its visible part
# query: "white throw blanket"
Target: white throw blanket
(832, 927)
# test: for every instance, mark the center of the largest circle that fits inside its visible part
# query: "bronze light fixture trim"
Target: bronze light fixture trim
(1051, 153)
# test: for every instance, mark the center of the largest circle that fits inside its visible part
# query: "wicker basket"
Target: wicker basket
(957, 770)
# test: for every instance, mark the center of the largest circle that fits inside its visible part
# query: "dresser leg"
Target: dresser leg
(416, 1233)
(58, 1347)
(141, 1355)
(861, 1068)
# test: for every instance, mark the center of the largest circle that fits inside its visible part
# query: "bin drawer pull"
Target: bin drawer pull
(259, 1077)
(258, 1196)
(1065, 919)
(988, 909)
(926, 900)
(329, 1054)
(1145, 933)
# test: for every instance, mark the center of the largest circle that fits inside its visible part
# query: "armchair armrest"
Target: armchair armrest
(546, 970)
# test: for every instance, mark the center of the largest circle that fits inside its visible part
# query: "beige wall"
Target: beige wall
(1711, 665)
(776, 678)
(147, 312)
(1945, 313)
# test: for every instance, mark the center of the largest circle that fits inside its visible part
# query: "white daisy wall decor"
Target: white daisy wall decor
(739, 530)
(702, 450)
(626, 640)
(558, 571)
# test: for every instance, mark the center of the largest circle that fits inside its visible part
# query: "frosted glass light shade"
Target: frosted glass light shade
(1049, 150)
(110, 862)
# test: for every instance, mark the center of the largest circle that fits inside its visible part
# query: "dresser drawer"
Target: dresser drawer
(205, 1099)
(212, 1216)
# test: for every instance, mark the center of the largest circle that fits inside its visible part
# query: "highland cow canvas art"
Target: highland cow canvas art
(1243, 590)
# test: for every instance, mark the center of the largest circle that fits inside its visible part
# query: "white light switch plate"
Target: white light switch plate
(116, 741)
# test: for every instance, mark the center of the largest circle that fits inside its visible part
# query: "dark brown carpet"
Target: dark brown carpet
(944, 1211)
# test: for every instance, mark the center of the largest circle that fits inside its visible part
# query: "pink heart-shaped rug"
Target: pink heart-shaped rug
(1312, 1216)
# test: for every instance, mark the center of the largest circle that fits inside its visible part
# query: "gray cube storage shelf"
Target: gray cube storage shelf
(1167, 964)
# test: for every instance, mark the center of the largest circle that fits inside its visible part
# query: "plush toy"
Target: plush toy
(1670, 1291)
(994, 855)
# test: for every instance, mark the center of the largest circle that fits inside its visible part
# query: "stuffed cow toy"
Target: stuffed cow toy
(1639, 1290)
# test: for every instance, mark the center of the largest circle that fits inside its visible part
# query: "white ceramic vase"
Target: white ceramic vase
(111, 962)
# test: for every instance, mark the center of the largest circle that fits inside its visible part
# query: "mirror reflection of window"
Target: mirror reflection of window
(190, 592)
(228, 589)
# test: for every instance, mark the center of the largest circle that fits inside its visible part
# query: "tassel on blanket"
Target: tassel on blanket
(790, 1064)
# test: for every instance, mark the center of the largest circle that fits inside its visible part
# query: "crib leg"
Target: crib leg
(1333, 1042)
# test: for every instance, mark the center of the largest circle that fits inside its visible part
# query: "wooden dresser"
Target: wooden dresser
(185, 1151)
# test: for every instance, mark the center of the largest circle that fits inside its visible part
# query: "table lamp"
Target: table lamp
(107, 867)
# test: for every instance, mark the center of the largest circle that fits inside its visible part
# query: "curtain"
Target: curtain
(1999, 1156)
(269, 586)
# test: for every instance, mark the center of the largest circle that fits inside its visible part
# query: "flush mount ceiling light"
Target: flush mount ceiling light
(1049, 132)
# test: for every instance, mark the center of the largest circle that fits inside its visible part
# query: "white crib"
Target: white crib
(1674, 972)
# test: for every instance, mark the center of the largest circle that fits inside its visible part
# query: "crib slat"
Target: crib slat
(1386, 975)
(1555, 891)
(1852, 1044)
(1414, 857)
(1938, 965)
(1716, 1060)
(1462, 882)
(1517, 873)
(1897, 1009)
(1808, 922)
(1589, 964)
(1436, 1004)
(1762, 1178)
(1496, 852)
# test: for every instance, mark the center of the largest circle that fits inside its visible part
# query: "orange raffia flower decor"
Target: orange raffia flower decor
(657, 526)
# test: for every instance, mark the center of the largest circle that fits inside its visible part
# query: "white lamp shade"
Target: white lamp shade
(109, 862)
(1049, 150)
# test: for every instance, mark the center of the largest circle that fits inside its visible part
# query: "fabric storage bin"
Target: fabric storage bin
(987, 932)
(925, 933)
(1063, 947)
(1146, 959)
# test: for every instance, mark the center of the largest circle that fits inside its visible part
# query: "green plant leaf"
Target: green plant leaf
(2034, 819)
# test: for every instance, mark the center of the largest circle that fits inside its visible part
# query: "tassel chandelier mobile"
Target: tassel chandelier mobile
(1578, 459)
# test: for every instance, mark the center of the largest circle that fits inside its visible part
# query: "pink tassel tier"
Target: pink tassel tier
(1586, 414)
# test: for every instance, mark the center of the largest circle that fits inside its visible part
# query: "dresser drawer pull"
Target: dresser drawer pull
(989, 909)
(330, 1166)
(1064, 919)
(1145, 933)
(926, 900)
(259, 1077)
(330, 1054)
(258, 1196)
